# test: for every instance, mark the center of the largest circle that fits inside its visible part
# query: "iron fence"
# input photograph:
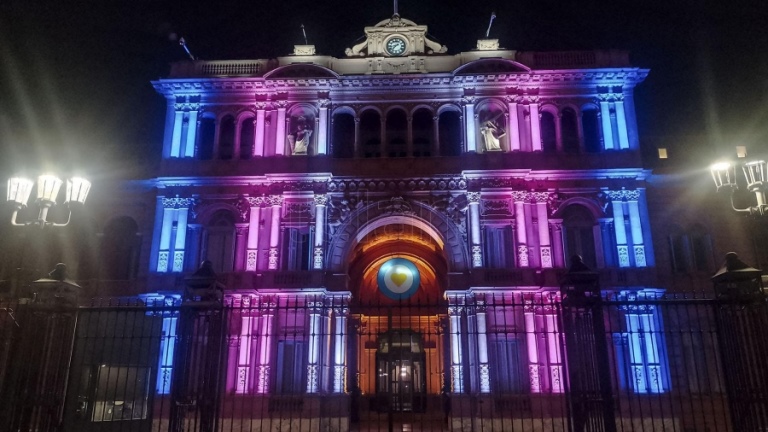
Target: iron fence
(484, 361)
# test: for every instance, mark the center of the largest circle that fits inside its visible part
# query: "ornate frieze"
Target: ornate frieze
(396, 205)
(177, 203)
(622, 195)
(495, 207)
(412, 184)
(298, 209)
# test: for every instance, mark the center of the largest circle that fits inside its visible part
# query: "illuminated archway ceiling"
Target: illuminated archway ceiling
(398, 241)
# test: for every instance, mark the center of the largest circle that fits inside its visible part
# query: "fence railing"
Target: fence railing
(488, 361)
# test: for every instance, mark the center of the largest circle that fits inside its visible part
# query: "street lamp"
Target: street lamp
(20, 189)
(724, 175)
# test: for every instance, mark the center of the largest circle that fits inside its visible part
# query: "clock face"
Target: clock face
(396, 46)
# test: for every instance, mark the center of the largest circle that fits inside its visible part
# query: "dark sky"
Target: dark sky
(74, 74)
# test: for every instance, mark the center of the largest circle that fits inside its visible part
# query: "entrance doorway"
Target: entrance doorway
(401, 367)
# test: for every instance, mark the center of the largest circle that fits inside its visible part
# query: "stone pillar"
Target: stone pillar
(535, 127)
(194, 124)
(469, 123)
(340, 348)
(276, 201)
(315, 309)
(603, 247)
(474, 227)
(605, 117)
(258, 130)
(254, 225)
(534, 366)
(358, 150)
(194, 242)
(545, 249)
(241, 235)
(521, 228)
(436, 136)
(556, 225)
(266, 333)
(180, 239)
(621, 123)
(457, 360)
(320, 207)
(513, 124)
(245, 349)
(619, 227)
(216, 139)
(178, 121)
(636, 227)
(322, 129)
(236, 144)
(482, 344)
(280, 128)
(383, 136)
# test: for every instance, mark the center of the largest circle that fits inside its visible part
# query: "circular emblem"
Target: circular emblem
(398, 279)
(395, 46)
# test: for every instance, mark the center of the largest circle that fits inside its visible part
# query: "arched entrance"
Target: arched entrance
(398, 274)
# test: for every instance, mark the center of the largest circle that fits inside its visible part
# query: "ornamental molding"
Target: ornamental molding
(275, 200)
(395, 205)
(495, 207)
(473, 197)
(256, 201)
(339, 209)
(398, 185)
(622, 195)
(320, 200)
(298, 209)
(178, 203)
(610, 97)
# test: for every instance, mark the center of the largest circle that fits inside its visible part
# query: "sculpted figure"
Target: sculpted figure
(491, 135)
(300, 140)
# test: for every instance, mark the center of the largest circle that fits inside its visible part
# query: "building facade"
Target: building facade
(389, 232)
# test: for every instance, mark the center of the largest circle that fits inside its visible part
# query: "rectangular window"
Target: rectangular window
(507, 369)
(641, 355)
(499, 249)
(290, 367)
(121, 393)
(297, 249)
(167, 351)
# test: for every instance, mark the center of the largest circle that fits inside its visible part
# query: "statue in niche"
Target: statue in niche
(491, 134)
(300, 139)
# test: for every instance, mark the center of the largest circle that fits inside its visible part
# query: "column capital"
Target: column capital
(623, 195)
(257, 201)
(520, 196)
(321, 200)
(275, 200)
(473, 197)
(177, 203)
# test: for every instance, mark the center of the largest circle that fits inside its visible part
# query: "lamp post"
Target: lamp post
(20, 189)
(724, 175)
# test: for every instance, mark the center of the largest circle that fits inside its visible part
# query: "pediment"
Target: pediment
(301, 70)
(491, 66)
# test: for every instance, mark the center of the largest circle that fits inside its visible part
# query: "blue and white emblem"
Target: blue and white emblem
(398, 279)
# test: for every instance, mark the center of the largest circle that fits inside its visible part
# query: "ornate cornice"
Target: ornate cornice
(390, 185)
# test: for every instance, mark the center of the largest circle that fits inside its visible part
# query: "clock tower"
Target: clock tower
(396, 37)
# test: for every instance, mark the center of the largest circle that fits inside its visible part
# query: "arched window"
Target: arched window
(579, 235)
(227, 138)
(569, 132)
(205, 138)
(219, 241)
(370, 133)
(120, 250)
(451, 133)
(397, 132)
(590, 125)
(343, 138)
(246, 138)
(423, 134)
(548, 132)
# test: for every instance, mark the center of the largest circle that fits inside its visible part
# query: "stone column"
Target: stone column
(244, 357)
(280, 128)
(409, 137)
(636, 227)
(513, 124)
(521, 228)
(276, 201)
(457, 360)
(603, 248)
(180, 239)
(216, 139)
(605, 117)
(340, 348)
(266, 333)
(315, 309)
(474, 227)
(383, 136)
(254, 225)
(482, 344)
(322, 129)
(556, 225)
(258, 130)
(320, 207)
(559, 132)
(178, 121)
(620, 228)
(535, 127)
(621, 123)
(545, 249)
(236, 144)
(469, 123)
(241, 233)
(436, 136)
(358, 150)
(194, 124)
